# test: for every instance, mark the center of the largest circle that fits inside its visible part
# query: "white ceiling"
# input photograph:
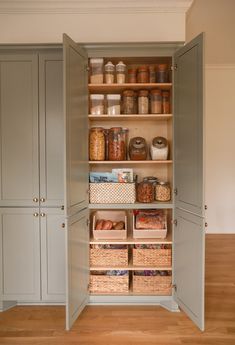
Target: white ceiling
(94, 6)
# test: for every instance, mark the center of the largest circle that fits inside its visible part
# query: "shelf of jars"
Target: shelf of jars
(134, 117)
(116, 88)
(125, 162)
(136, 205)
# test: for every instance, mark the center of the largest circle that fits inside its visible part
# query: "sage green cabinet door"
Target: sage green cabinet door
(51, 129)
(52, 255)
(20, 253)
(19, 173)
(189, 233)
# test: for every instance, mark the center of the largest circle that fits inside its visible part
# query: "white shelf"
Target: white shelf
(131, 240)
(136, 205)
(135, 117)
(127, 162)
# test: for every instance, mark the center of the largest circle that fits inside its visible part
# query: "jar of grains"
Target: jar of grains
(143, 74)
(163, 191)
(156, 101)
(121, 72)
(113, 104)
(109, 72)
(117, 145)
(96, 76)
(165, 102)
(162, 73)
(152, 74)
(145, 192)
(97, 104)
(132, 75)
(143, 102)
(97, 144)
(129, 103)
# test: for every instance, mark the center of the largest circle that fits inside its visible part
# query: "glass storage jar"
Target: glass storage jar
(129, 103)
(152, 74)
(109, 72)
(151, 179)
(125, 132)
(113, 104)
(117, 145)
(162, 73)
(145, 192)
(97, 144)
(96, 76)
(159, 148)
(165, 102)
(143, 74)
(97, 104)
(121, 72)
(132, 75)
(156, 101)
(163, 191)
(138, 149)
(143, 102)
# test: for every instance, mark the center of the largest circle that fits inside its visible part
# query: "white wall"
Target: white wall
(217, 19)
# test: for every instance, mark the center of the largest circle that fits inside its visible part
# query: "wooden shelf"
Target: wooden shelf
(116, 88)
(131, 162)
(131, 240)
(131, 268)
(136, 117)
(136, 205)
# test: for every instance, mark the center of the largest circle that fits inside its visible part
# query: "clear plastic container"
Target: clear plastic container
(96, 76)
(109, 69)
(121, 72)
(97, 104)
(113, 104)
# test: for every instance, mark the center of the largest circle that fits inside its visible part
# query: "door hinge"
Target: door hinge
(87, 68)
(88, 222)
(174, 286)
(205, 207)
(176, 191)
(206, 225)
(175, 222)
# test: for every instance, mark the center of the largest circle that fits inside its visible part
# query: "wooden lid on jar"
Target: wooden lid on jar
(156, 92)
(143, 68)
(143, 93)
(162, 67)
(129, 93)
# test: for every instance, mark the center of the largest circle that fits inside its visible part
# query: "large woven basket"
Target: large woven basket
(152, 257)
(109, 284)
(112, 193)
(156, 285)
(108, 257)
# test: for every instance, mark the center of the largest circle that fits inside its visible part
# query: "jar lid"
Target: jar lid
(97, 129)
(151, 179)
(162, 67)
(156, 92)
(115, 129)
(163, 183)
(159, 142)
(120, 66)
(165, 93)
(138, 142)
(129, 93)
(143, 93)
(143, 68)
(96, 61)
(114, 97)
(109, 67)
(97, 97)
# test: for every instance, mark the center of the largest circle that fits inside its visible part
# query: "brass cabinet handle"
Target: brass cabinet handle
(35, 199)
(42, 199)
(35, 214)
(42, 214)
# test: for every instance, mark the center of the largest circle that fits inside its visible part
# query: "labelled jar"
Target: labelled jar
(156, 101)
(132, 73)
(113, 104)
(109, 69)
(97, 144)
(97, 104)
(163, 191)
(162, 73)
(145, 192)
(143, 74)
(117, 145)
(143, 102)
(121, 72)
(166, 109)
(129, 102)
(96, 76)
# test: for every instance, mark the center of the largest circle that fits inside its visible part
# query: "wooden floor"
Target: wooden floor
(137, 325)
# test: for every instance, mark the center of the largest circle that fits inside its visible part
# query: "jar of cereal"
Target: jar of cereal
(163, 191)
(97, 144)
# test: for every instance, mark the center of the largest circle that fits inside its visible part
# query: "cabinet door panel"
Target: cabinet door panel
(19, 130)
(51, 129)
(20, 252)
(52, 255)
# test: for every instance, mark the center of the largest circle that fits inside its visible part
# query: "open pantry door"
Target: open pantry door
(189, 233)
(76, 178)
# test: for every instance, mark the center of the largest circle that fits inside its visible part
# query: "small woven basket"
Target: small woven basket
(152, 257)
(152, 284)
(109, 284)
(108, 257)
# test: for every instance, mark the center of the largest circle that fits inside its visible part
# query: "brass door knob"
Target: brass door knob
(35, 199)
(42, 214)
(35, 214)
(42, 199)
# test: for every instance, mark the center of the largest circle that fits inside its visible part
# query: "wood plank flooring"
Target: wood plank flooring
(137, 325)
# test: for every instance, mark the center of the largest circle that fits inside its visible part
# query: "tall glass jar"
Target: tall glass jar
(117, 145)
(132, 72)
(143, 102)
(163, 191)
(97, 144)
(165, 102)
(156, 101)
(109, 72)
(121, 72)
(129, 102)
(162, 73)
(145, 192)
(143, 74)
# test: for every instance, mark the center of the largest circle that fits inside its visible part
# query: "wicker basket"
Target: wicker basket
(108, 257)
(109, 284)
(152, 257)
(112, 193)
(156, 285)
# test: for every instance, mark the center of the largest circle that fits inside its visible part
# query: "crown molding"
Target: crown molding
(93, 6)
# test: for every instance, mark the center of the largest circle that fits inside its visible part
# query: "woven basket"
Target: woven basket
(109, 284)
(109, 257)
(152, 284)
(152, 257)
(112, 193)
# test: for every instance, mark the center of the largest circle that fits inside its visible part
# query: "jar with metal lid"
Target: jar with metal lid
(97, 104)
(162, 73)
(138, 149)
(151, 179)
(165, 102)
(129, 103)
(163, 191)
(132, 75)
(113, 104)
(156, 101)
(143, 74)
(109, 72)
(159, 148)
(121, 72)
(117, 145)
(143, 102)
(97, 144)
(145, 192)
